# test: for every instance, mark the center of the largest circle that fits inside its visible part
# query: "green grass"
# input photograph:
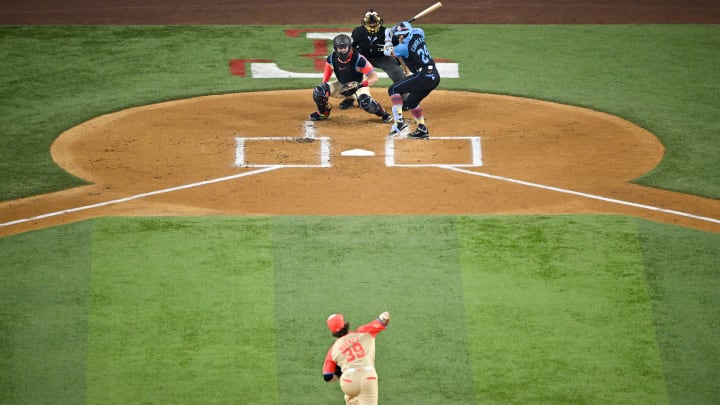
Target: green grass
(179, 319)
(44, 289)
(361, 267)
(486, 309)
(562, 304)
(682, 277)
(665, 78)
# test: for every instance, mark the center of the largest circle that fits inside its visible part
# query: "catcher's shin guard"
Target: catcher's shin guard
(369, 104)
(321, 95)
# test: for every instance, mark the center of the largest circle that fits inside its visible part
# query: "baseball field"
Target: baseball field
(174, 230)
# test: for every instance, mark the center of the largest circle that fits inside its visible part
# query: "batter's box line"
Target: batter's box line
(474, 147)
(324, 142)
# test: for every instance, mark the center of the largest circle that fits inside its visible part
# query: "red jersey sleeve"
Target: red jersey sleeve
(373, 328)
(365, 68)
(327, 73)
(329, 366)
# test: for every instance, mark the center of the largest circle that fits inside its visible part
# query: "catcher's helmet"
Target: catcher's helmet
(372, 22)
(344, 42)
(401, 28)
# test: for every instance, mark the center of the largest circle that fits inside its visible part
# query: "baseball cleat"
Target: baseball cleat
(400, 129)
(318, 116)
(421, 132)
(387, 117)
(347, 103)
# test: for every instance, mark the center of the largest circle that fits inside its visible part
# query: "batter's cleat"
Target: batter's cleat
(387, 117)
(318, 116)
(400, 129)
(347, 103)
(421, 132)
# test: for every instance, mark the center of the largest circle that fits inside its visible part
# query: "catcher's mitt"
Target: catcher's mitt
(349, 88)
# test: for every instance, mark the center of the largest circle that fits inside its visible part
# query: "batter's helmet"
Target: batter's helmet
(401, 28)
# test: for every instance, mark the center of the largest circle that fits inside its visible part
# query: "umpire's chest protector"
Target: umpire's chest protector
(348, 71)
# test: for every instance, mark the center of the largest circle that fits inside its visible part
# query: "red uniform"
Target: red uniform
(354, 354)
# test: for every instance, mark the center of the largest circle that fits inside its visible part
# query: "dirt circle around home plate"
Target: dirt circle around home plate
(258, 154)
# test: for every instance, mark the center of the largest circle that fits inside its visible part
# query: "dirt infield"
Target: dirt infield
(201, 156)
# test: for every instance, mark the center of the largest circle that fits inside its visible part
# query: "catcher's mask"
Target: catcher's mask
(341, 44)
(372, 22)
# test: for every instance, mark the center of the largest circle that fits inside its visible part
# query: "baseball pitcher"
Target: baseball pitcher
(351, 359)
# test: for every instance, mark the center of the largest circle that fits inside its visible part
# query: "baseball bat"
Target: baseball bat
(426, 11)
(419, 15)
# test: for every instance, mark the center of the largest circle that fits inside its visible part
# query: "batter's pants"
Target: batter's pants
(417, 86)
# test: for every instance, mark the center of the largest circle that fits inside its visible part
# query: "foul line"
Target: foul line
(275, 167)
(139, 196)
(577, 193)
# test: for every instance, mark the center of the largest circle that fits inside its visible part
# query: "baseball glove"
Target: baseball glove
(349, 88)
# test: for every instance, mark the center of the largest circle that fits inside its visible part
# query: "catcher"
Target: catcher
(351, 359)
(354, 76)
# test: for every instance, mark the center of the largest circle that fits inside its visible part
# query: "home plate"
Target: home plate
(357, 152)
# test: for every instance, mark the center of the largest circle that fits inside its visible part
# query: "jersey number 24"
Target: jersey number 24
(424, 54)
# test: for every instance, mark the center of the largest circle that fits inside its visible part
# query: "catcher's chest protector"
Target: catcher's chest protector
(346, 72)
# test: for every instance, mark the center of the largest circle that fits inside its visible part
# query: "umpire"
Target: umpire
(369, 39)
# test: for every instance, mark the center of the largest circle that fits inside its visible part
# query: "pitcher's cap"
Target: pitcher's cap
(335, 322)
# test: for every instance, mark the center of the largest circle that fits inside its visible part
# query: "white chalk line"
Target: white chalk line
(577, 193)
(475, 150)
(447, 167)
(139, 196)
(309, 133)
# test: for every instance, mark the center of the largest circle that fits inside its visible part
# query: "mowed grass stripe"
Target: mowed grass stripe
(681, 267)
(43, 315)
(558, 311)
(360, 266)
(181, 312)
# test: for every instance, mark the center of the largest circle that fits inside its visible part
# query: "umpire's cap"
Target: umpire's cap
(335, 322)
